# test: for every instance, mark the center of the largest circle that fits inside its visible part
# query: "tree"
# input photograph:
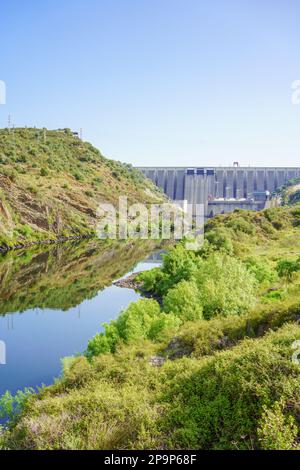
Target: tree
(225, 286)
(184, 302)
(286, 269)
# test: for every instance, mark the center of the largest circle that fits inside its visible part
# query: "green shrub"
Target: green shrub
(274, 295)
(25, 230)
(277, 430)
(241, 224)
(21, 159)
(11, 406)
(151, 279)
(218, 403)
(178, 264)
(286, 269)
(10, 173)
(77, 176)
(44, 172)
(142, 319)
(97, 180)
(204, 337)
(183, 301)
(32, 189)
(225, 286)
(261, 270)
(220, 239)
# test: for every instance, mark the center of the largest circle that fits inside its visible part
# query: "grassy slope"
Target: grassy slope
(235, 386)
(51, 183)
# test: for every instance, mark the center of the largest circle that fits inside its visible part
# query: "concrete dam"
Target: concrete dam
(221, 189)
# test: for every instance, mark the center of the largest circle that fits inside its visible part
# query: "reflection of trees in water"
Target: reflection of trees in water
(62, 276)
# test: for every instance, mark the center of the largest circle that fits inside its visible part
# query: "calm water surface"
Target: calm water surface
(53, 302)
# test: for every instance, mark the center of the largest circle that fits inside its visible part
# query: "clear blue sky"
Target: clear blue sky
(158, 82)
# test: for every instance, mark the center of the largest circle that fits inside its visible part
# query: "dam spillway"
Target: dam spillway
(221, 189)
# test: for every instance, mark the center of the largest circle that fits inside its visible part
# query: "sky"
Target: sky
(158, 82)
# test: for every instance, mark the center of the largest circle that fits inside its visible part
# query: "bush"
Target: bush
(218, 403)
(241, 224)
(142, 319)
(261, 270)
(183, 301)
(220, 284)
(220, 239)
(204, 337)
(44, 172)
(178, 264)
(225, 286)
(286, 269)
(11, 406)
(10, 173)
(277, 431)
(25, 230)
(294, 198)
(151, 279)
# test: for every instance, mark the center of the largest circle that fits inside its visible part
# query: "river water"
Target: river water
(53, 301)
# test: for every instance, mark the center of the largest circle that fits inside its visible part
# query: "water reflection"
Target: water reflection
(53, 301)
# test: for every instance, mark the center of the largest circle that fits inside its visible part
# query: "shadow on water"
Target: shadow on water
(52, 301)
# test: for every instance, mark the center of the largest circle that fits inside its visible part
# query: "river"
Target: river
(53, 301)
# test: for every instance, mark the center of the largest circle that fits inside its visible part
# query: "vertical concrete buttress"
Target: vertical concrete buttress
(203, 185)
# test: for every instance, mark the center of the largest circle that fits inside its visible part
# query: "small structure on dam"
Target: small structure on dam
(221, 189)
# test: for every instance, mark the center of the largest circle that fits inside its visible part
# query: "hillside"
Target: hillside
(61, 276)
(291, 194)
(51, 184)
(288, 194)
(212, 365)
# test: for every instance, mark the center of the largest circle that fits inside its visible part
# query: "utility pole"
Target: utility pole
(9, 122)
(80, 133)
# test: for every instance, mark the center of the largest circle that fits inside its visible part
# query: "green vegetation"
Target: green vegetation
(286, 269)
(51, 184)
(142, 319)
(11, 406)
(204, 364)
(183, 301)
(218, 284)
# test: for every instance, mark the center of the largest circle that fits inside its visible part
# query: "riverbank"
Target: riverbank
(130, 282)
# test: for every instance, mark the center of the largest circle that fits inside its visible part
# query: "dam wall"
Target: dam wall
(221, 189)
